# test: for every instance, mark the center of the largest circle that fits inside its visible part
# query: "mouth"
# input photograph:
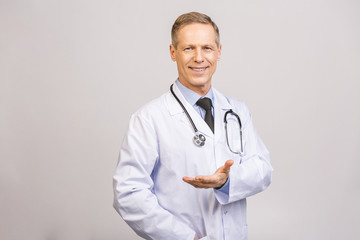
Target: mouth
(198, 69)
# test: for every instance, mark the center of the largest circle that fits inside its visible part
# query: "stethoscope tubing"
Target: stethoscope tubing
(183, 107)
(200, 139)
(227, 137)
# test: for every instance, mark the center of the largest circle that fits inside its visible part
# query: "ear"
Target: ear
(219, 52)
(172, 52)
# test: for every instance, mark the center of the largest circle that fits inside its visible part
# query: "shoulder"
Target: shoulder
(153, 108)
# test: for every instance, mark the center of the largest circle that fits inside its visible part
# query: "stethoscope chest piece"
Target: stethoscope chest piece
(199, 139)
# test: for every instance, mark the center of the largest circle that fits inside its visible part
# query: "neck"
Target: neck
(202, 90)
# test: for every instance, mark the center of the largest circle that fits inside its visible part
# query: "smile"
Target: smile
(198, 69)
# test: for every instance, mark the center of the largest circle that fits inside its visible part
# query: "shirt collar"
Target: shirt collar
(191, 96)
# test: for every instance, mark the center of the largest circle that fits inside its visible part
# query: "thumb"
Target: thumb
(228, 164)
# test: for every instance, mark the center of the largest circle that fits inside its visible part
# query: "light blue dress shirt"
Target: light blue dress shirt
(192, 97)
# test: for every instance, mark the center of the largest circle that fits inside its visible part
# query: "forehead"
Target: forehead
(197, 33)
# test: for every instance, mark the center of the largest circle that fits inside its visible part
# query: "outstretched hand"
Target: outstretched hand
(217, 180)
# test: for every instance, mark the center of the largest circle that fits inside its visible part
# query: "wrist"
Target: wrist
(217, 188)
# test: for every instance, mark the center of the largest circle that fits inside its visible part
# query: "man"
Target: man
(167, 187)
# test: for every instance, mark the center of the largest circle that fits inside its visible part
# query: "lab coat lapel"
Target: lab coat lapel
(175, 108)
(221, 105)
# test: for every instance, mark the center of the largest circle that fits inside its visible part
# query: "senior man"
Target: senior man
(184, 172)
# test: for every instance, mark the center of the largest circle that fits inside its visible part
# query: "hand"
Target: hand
(217, 180)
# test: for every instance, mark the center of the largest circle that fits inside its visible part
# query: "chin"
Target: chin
(200, 82)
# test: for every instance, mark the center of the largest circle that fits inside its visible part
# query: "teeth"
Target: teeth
(198, 69)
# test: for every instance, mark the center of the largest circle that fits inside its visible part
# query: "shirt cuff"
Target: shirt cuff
(225, 187)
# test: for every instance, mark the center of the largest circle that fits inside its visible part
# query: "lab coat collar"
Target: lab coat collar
(221, 105)
(220, 101)
(175, 108)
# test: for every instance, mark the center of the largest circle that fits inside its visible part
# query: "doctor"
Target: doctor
(167, 187)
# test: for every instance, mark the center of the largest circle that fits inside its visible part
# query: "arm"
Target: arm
(254, 173)
(251, 176)
(133, 187)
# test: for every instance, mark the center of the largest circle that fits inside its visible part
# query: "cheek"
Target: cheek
(213, 58)
(214, 62)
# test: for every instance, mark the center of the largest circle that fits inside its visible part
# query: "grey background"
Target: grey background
(72, 72)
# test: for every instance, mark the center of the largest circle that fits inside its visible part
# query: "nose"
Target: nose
(198, 57)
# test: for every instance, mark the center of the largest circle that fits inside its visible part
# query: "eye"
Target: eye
(187, 49)
(208, 48)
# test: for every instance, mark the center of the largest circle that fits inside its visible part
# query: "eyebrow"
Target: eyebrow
(203, 45)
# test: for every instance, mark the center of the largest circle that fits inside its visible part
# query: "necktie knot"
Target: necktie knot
(205, 103)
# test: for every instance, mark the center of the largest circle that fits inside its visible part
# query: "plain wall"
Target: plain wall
(72, 72)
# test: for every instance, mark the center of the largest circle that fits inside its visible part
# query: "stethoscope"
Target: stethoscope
(200, 139)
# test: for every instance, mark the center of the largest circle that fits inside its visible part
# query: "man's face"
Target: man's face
(196, 56)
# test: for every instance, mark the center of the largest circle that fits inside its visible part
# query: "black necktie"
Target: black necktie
(205, 103)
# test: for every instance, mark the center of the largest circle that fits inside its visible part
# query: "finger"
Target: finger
(191, 181)
(213, 181)
(226, 167)
(198, 183)
(206, 179)
(187, 179)
(228, 164)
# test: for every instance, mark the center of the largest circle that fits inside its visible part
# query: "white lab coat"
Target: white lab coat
(158, 151)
